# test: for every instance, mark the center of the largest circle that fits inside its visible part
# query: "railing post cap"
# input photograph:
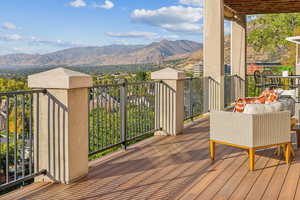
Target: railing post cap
(168, 74)
(60, 78)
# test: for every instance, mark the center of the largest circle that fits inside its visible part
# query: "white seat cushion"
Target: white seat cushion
(263, 108)
(291, 93)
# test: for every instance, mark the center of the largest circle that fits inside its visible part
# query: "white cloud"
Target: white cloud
(184, 27)
(56, 43)
(77, 3)
(144, 35)
(167, 37)
(106, 5)
(9, 26)
(132, 35)
(11, 37)
(196, 3)
(173, 18)
(38, 41)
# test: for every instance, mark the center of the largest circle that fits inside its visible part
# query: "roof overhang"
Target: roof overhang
(251, 7)
(294, 39)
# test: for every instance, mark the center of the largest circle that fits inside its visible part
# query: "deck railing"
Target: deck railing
(233, 88)
(255, 89)
(20, 132)
(194, 97)
(119, 113)
(201, 94)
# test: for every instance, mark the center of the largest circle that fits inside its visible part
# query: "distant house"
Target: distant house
(198, 68)
(251, 68)
(112, 104)
(104, 100)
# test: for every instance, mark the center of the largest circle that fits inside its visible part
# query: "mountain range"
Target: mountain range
(154, 53)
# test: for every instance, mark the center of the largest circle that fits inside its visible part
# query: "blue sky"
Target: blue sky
(41, 26)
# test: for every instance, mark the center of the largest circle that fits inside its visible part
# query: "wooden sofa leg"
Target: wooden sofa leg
(288, 153)
(252, 158)
(212, 146)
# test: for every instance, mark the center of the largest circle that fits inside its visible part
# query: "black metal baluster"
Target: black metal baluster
(172, 113)
(110, 118)
(106, 131)
(159, 104)
(98, 95)
(30, 133)
(7, 140)
(58, 139)
(37, 122)
(89, 121)
(101, 121)
(16, 137)
(64, 144)
(23, 135)
(53, 138)
(49, 129)
(117, 115)
(93, 119)
(123, 94)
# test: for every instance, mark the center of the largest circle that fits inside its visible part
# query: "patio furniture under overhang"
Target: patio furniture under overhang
(296, 40)
(236, 11)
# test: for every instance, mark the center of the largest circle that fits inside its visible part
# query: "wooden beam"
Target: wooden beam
(229, 13)
(259, 1)
(263, 6)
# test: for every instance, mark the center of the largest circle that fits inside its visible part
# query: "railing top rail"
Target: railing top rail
(121, 84)
(21, 92)
(193, 78)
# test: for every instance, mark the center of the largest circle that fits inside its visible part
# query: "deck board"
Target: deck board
(259, 187)
(178, 168)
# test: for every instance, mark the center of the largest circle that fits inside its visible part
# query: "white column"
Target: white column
(170, 101)
(238, 53)
(214, 46)
(62, 138)
(297, 60)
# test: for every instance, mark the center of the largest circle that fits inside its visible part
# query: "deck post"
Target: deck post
(62, 145)
(297, 65)
(169, 101)
(238, 53)
(214, 47)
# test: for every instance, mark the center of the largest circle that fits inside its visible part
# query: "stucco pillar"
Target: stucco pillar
(169, 101)
(61, 141)
(238, 53)
(297, 60)
(214, 46)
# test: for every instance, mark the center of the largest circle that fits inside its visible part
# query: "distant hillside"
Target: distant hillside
(155, 53)
(188, 61)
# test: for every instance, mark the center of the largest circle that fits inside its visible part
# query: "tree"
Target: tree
(3, 148)
(141, 76)
(290, 58)
(268, 33)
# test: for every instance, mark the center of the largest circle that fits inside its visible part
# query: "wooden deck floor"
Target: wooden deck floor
(178, 168)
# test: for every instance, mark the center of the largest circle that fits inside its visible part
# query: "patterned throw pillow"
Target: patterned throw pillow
(270, 96)
(267, 96)
(242, 102)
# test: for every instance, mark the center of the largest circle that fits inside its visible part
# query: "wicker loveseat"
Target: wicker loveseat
(250, 131)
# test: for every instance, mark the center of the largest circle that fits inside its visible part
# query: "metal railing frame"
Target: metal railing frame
(122, 128)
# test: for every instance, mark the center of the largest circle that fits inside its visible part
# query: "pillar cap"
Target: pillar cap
(60, 78)
(168, 74)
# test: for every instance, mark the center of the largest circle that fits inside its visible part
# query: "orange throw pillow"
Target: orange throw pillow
(266, 96)
(270, 95)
